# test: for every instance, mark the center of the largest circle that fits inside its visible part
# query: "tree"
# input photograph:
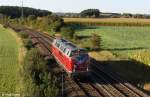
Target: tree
(23, 35)
(35, 91)
(67, 32)
(51, 91)
(28, 44)
(14, 11)
(55, 22)
(50, 23)
(95, 39)
(127, 15)
(33, 62)
(38, 81)
(138, 16)
(90, 13)
(31, 17)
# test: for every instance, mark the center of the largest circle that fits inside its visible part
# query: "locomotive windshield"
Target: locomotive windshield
(78, 52)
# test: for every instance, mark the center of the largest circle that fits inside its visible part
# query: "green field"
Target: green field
(127, 42)
(120, 45)
(9, 52)
(119, 39)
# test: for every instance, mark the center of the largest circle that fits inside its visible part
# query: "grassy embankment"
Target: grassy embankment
(11, 53)
(119, 45)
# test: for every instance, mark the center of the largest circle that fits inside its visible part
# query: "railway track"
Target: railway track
(128, 85)
(89, 89)
(121, 85)
(72, 89)
(103, 83)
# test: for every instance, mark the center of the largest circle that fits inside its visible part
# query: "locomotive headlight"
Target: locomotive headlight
(88, 61)
(75, 66)
(87, 69)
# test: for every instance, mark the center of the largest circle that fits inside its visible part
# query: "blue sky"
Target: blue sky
(122, 6)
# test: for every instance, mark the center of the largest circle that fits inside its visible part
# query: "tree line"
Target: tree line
(15, 11)
(96, 13)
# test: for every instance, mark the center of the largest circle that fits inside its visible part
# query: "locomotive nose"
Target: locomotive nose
(79, 60)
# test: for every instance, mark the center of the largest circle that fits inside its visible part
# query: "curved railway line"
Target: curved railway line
(102, 83)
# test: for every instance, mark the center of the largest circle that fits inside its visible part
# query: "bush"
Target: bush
(33, 61)
(38, 82)
(93, 13)
(23, 35)
(67, 32)
(28, 44)
(95, 39)
(31, 17)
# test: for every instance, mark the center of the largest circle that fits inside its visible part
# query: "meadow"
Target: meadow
(125, 49)
(9, 55)
(119, 40)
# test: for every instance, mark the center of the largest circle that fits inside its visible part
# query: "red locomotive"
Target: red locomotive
(75, 61)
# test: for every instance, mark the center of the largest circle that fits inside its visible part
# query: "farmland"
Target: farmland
(119, 45)
(9, 61)
(109, 21)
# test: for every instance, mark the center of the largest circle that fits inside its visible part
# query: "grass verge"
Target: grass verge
(10, 59)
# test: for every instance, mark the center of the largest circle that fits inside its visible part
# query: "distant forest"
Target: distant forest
(96, 13)
(15, 11)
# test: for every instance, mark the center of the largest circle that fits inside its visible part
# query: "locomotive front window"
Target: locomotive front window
(57, 44)
(61, 48)
(64, 50)
(68, 53)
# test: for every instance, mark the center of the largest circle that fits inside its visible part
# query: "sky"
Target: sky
(120, 6)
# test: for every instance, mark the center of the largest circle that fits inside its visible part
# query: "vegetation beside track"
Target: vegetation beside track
(36, 81)
(36, 78)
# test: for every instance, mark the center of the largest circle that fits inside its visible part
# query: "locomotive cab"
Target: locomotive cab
(81, 62)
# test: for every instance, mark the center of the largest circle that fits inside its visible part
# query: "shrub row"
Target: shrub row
(37, 80)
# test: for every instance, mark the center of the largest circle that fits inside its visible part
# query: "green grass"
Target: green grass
(126, 42)
(120, 39)
(9, 50)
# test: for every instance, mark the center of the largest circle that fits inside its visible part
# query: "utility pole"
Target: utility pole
(62, 83)
(22, 13)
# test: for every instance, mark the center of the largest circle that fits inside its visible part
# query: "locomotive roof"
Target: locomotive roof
(67, 44)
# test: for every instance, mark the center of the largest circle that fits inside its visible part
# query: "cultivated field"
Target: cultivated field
(9, 52)
(124, 43)
(109, 21)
